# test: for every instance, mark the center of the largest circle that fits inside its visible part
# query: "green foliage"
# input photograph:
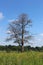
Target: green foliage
(25, 58)
(10, 48)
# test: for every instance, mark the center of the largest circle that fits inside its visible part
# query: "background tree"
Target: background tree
(19, 30)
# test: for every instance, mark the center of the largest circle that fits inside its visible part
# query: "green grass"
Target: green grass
(25, 58)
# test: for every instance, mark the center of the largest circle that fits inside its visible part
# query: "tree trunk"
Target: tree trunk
(22, 48)
(22, 37)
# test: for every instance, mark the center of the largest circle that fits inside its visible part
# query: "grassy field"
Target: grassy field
(25, 58)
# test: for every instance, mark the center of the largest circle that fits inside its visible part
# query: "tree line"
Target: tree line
(10, 48)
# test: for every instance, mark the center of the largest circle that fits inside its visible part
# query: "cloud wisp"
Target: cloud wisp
(11, 20)
(1, 16)
(38, 40)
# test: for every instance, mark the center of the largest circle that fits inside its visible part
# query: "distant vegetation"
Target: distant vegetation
(18, 48)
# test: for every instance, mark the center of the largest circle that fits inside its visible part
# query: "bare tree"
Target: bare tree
(19, 30)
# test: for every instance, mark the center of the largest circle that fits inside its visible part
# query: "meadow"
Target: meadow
(25, 58)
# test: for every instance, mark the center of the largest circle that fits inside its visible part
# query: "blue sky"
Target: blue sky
(10, 9)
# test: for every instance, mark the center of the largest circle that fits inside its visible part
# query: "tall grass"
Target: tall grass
(26, 58)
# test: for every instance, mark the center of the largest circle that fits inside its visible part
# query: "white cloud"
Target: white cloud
(41, 34)
(8, 32)
(1, 15)
(38, 40)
